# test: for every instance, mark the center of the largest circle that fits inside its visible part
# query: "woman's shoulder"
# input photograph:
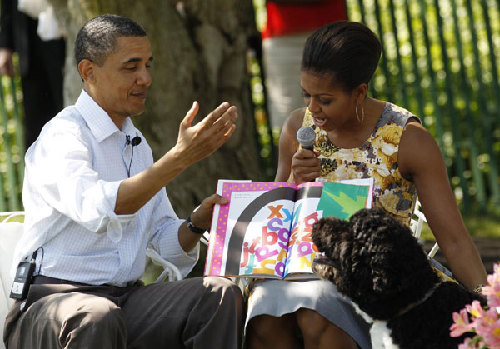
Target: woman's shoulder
(396, 115)
(294, 120)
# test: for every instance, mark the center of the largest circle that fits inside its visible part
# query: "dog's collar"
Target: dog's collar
(417, 303)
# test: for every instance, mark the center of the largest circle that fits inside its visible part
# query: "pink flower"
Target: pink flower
(488, 327)
(492, 291)
(492, 294)
(476, 310)
(474, 343)
(493, 337)
(484, 322)
(460, 323)
(465, 344)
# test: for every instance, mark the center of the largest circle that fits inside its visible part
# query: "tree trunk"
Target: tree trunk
(200, 53)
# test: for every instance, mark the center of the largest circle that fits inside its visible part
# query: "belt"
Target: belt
(40, 279)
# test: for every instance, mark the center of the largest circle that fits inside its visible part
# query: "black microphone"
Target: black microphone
(135, 141)
(306, 137)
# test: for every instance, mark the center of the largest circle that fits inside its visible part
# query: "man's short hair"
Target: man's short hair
(96, 40)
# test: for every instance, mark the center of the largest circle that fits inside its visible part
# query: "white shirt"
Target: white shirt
(71, 181)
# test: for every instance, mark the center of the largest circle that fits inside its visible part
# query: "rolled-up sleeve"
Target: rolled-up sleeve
(164, 238)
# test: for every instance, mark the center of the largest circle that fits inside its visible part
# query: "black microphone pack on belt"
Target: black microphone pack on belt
(23, 278)
(306, 137)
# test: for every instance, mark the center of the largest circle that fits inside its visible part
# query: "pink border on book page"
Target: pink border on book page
(227, 189)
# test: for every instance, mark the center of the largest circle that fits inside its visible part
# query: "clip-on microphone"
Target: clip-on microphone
(135, 142)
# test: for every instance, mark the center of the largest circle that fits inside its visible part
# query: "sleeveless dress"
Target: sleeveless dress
(377, 158)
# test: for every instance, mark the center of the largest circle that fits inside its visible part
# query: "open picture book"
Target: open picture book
(265, 229)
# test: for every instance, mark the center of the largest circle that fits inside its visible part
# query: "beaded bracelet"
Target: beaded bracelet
(478, 288)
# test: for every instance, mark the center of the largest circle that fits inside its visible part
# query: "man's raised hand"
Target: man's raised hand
(199, 141)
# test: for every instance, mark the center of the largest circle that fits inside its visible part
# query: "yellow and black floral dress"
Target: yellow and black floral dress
(377, 157)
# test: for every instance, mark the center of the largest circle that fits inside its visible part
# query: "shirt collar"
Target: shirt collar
(98, 121)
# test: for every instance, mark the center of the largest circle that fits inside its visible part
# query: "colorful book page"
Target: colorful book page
(266, 229)
(342, 200)
(335, 199)
(245, 217)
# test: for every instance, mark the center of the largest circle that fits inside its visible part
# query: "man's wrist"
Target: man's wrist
(175, 159)
(193, 228)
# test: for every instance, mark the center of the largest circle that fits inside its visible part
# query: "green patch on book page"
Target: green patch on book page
(342, 200)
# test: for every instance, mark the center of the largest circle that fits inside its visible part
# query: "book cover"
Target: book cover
(265, 230)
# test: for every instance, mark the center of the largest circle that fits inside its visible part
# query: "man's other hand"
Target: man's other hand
(202, 215)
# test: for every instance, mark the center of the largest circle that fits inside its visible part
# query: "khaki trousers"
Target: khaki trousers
(192, 313)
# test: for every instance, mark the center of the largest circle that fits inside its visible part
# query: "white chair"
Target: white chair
(11, 230)
(416, 225)
(170, 271)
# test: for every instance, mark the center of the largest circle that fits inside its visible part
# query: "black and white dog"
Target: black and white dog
(374, 260)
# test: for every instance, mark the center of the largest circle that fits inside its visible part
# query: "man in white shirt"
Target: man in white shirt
(94, 200)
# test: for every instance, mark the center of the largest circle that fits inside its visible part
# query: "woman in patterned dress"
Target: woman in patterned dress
(356, 137)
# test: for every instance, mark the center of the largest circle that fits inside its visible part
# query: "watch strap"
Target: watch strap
(194, 228)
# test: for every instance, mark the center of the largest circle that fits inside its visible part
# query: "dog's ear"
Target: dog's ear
(367, 220)
(327, 232)
(373, 234)
(397, 260)
(320, 229)
(382, 280)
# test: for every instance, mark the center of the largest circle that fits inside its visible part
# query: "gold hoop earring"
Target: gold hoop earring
(362, 114)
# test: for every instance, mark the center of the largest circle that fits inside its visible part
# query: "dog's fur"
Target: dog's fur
(374, 260)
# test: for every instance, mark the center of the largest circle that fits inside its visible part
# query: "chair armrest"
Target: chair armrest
(169, 269)
(416, 224)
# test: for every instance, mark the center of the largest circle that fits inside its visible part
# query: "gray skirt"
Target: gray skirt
(277, 298)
